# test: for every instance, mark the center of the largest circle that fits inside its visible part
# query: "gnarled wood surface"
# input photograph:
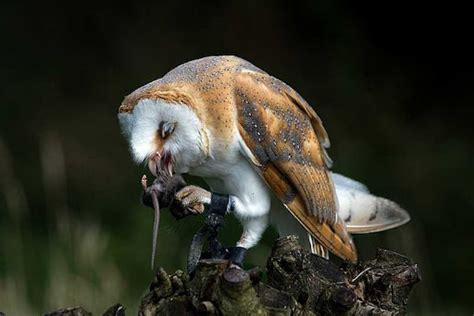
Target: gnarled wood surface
(298, 283)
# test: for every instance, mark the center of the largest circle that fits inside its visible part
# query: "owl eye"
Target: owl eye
(166, 129)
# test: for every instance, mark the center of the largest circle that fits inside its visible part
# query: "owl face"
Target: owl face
(166, 136)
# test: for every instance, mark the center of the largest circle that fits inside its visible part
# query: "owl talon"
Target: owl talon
(237, 256)
(193, 198)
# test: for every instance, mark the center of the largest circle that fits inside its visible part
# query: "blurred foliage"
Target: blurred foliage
(392, 83)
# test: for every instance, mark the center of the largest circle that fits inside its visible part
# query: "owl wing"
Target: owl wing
(285, 139)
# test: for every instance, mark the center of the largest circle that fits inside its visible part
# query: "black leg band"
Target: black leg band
(219, 203)
(237, 255)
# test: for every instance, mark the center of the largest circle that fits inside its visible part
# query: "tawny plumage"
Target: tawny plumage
(287, 140)
(243, 119)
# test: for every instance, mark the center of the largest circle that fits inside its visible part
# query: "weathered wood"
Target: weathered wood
(298, 283)
(71, 311)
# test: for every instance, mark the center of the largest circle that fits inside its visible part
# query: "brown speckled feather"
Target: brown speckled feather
(288, 140)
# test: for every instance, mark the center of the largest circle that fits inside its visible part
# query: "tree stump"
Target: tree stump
(299, 283)
(71, 311)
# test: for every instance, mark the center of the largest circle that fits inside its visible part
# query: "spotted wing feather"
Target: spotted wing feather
(286, 141)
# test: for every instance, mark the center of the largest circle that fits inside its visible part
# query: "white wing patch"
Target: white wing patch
(348, 183)
(363, 212)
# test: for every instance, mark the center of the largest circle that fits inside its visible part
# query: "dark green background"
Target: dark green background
(392, 83)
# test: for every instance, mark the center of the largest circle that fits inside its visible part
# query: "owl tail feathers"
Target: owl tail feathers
(363, 212)
(317, 248)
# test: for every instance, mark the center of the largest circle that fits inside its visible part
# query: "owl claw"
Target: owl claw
(234, 266)
(193, 198)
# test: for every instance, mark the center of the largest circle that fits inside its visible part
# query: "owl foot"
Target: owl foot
(193, 198)
(237, 256)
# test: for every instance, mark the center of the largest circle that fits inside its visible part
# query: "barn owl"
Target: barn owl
(256, 141)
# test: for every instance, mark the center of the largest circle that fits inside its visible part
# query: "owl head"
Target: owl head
(167, 136)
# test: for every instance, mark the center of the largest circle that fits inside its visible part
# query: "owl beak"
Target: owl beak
(161, 162)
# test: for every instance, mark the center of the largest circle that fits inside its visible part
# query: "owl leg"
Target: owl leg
(254, 228)
(253, 216)
(254, 219)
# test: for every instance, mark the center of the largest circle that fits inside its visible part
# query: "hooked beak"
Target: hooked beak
(161, 162)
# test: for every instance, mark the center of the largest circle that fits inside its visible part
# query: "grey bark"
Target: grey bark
(298, 283)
